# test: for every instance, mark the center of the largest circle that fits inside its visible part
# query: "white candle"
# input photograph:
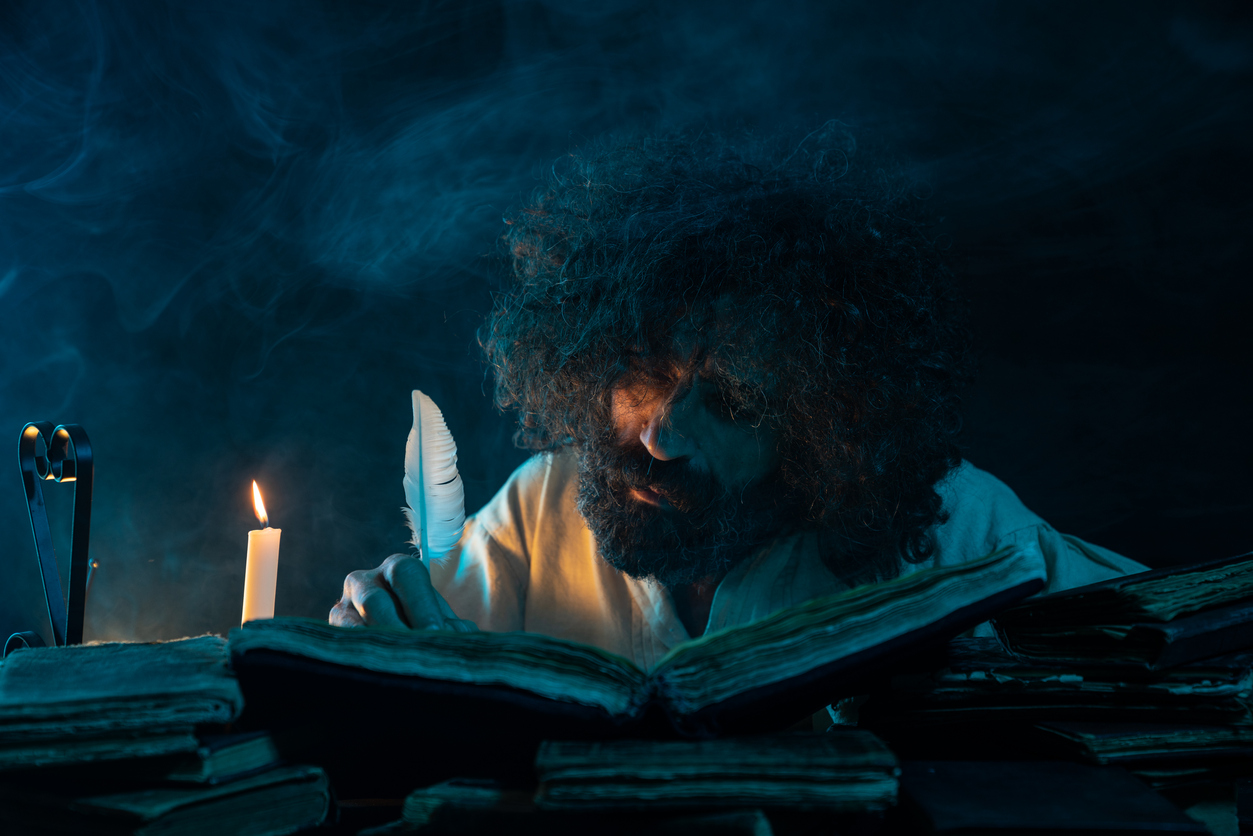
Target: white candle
(261, 573)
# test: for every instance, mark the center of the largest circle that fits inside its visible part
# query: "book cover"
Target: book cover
(1127, 744)
(278, 801)
(977, 680)
(1156, 619)
(516, 689)
(1033, 797)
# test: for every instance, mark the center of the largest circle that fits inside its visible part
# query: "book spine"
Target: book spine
(1201, 636)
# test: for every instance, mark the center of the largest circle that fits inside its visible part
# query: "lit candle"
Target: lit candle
(261, 574)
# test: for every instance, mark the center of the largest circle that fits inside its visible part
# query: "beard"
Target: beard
(701, 529)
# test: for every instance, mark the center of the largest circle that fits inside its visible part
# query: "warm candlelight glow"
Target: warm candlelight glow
(259, 506)
(261, 571)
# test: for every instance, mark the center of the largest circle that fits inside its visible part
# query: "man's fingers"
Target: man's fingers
(460, 625)
(378, 608)
(344, 614)
(372, 600)
(396, 594)
(409, 579)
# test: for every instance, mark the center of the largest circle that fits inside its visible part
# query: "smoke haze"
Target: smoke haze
(234, 236)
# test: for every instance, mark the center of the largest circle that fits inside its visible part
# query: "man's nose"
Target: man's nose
(665, 434)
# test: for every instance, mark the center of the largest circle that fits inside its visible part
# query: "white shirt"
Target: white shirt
(527, 561)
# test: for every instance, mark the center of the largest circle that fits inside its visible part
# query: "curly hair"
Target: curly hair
(822, 303)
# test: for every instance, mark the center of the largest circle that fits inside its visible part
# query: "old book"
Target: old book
(224, 757)
(213, 758)
(957, 798)
(791, 659)
(66, 705)
(469, 806)
(425, 805)
(1244, 805)
(1126, 744)
(982, 703)
(460, 692)
(847, 770)
(1176, 777)
(1163, 755)
(1157, 619)
(278, 801)
(977, 680)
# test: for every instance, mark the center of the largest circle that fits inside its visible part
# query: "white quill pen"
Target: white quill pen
(433, 487)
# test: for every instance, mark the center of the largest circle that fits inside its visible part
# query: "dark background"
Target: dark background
(235, 235)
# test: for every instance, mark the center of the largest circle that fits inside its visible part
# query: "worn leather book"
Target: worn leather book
(977, 680)
(1170, 728)
(1156, 619)
(216, 758)
(1244, 805)
(269, 803)
(467, 807)
(104, 702)
(223, 757)
(837, 782)
(516, 689)
(846, 769)
(1125, 744)
(968, 798)
(978, 701)
(1163, 755)
(792, 659)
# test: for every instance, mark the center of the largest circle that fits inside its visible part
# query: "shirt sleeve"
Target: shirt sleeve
(480, 581)
(484, 577)
(1070, 562)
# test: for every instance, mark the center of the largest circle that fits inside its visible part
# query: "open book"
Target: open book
(1157, 619)
(762, 676)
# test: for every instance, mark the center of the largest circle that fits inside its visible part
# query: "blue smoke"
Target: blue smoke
(234, 236)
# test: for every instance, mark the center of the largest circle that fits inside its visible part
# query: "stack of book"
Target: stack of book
(1152, 620)
(1151, 672)
(840, 782)
(134, 738)
(525, 730)
(1168, 726)
(460, 693)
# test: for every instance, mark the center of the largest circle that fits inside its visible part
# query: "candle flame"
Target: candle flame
(259, 506)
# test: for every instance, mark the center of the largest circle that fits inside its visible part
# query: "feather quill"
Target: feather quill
(433, 487)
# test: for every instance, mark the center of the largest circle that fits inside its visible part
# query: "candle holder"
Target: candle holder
(66, 457)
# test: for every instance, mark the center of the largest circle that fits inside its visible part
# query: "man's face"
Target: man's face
(677, 488)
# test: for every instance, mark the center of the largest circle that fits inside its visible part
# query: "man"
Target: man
(740, 372)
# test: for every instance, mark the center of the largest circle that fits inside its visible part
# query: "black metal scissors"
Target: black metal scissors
(66, 457)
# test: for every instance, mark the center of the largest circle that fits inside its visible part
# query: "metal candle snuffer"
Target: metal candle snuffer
(60, 454)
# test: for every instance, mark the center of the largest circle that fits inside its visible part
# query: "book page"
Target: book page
(543, 665)
(795, 640)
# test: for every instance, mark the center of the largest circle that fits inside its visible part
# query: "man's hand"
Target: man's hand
(396, 594)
